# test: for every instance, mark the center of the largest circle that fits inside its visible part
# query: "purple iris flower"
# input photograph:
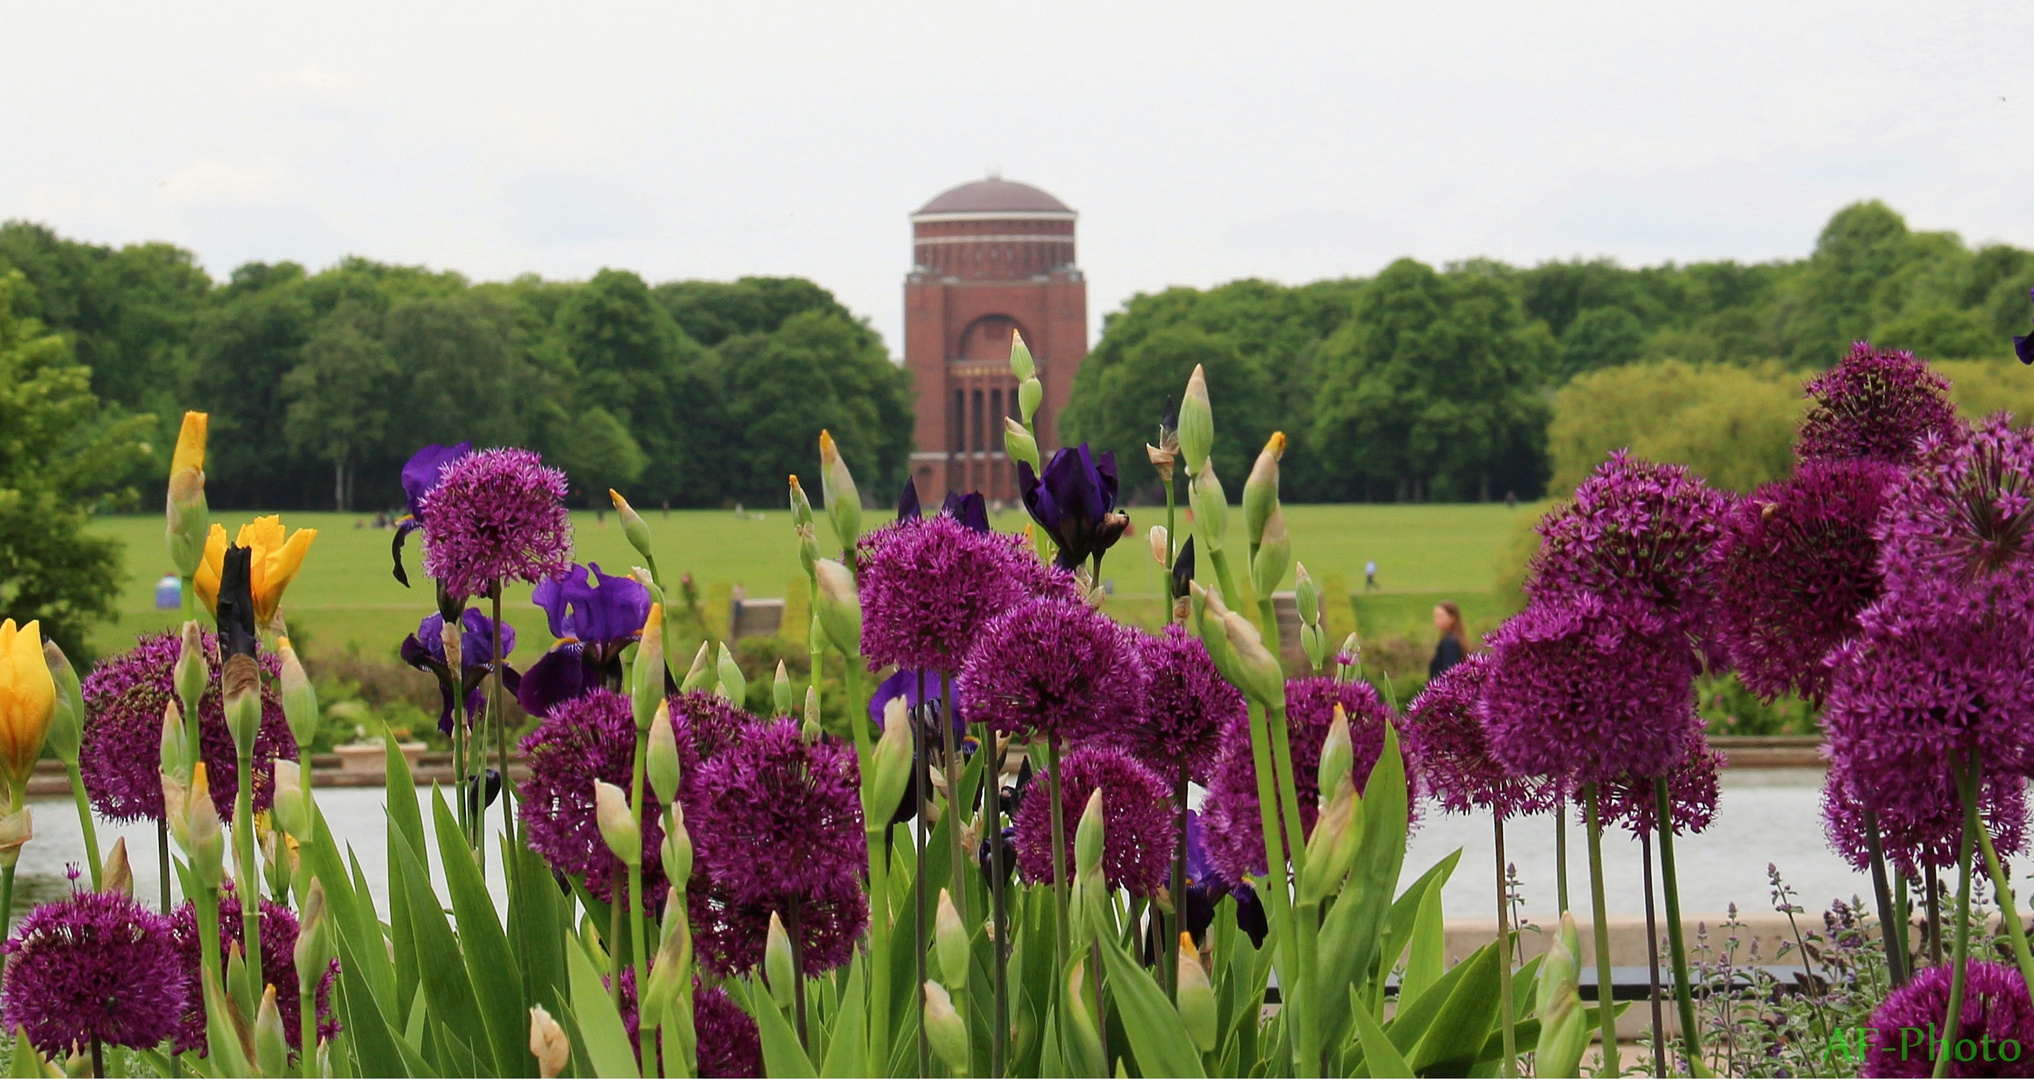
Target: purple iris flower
(1205, 887)
(420, 475)
(970, 509)
(2023, 344)
(425, 651)
(593, 621)
(1075, 503)
(905, 684)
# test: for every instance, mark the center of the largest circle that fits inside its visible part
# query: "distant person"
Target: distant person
(1511, 500)
(1370, 576)
(1454, 643)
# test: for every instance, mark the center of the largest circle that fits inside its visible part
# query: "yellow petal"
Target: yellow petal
(206, 580)
(27, 699)
(280, 566)
(190, 452)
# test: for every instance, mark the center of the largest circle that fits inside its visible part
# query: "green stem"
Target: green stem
(459, 771)
(1882, 895)
(307, 1026)
(1308, 926)
(638, 941)
(1277, 884)
(879, 947)
(499, 715)
(1168, 943)
(1561, 851)
(1653, 958)
(1677, 945)
(1504, 1007)
(614, 952)
(162, 860)
(992, 774)
(248, 870)
(1968, 782)
(7, 903)
(1952, 1021)
(921, 768)
(955, 772)
(85, 822)
(1605, 991)
(1060, 942)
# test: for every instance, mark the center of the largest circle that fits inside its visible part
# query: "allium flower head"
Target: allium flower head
(729, 935)
(1958, 532)
(1876, 404)
(496, 516)
(278, 969)
(1797, 563)
(586, 739)
(92, 966)
(121, 754)
(1924, 827)
(1187, 706)
(777, 817)
(728, 1042)
(1055, 667)
(929, 585)
(1235, 836)
(1444, 733)
(1140, 827)
(1637, 531)
(1692, 790)
(1587, 690)
(1995, 1010)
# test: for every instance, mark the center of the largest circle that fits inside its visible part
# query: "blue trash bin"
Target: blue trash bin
(169, 593)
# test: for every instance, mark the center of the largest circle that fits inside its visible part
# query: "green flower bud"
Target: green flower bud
(189, 519)
(67, 725)
(192, 672)
(646, 682)
(843, 501)
(290, 811)
(1331, 850)
(883, 785)
(660, 757)
(1196, 423)
(1261, 677)
(1196, 997)
(1337, 756)
(950, 941)
(1029, 393)
(299, 697)
(175, 747)
(1081, 1035)
(1306, 596)
(1211, 509)
(780, 691)
(816, 635)
(777, 969)
(1274, 554)
(701, 674)
(1021, 364)
(240, 682)
(314, 930)
(676, 854)
(618, 824)
(812, 706)
(202, 837)
(1563, 1035)
(1207, 614)
(945, 1029)
(840, 608)
(1352, 650)
(1260, 489)
(1019, 443)
(730, 675)
(271, 1047)
(1089, 836)
(635, 528)
(801, 506)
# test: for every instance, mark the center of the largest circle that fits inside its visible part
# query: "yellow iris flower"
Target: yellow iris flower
(275, 564)
(190, 453)
(27, 700)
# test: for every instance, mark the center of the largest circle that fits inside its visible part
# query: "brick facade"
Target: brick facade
(987, 258)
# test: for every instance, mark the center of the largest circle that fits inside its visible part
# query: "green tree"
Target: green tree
(340, 394)
(1945, 333)
(57, 449)
(598, 454)
(245, 347)
(1733, 425)
(710, 312)
(1600, 337)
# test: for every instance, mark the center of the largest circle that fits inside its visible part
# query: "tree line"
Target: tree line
(320, 385)
(1480, 379)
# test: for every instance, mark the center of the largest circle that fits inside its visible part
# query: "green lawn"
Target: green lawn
(346, 595)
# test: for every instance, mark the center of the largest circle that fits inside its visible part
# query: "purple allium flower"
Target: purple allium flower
(1637, 531)
(1797, 563)
(1139, 823)
(729, 936)
(420, 475)
(496, 516)
(425, 651)
(586, 739)
(1187, 707)
(1588, 690)
(1444, 734)
(1692, 791)
(93, 966)
(1075, 503)
(1876, 404)
(278, 969)
(1958, 532)
(1235, 835)
(1995, 1010)
(1925, 828)
(727, 1041)
(776, 818)
(121, 756)
(1054, 667)
(929, 585)
(593, 624)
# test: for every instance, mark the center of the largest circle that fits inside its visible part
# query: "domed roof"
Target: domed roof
(995, 195)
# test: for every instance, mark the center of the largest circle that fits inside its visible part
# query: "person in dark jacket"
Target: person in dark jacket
(1454, 643)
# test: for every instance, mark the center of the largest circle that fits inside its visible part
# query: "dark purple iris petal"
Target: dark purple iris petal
(610, 610)
(558, 676)
(420, 473)
(1071, 500)
(904, 684)
(969, 509)
(425, 651)
(907, 502)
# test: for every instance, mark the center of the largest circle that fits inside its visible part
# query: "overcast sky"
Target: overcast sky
(1201, 142)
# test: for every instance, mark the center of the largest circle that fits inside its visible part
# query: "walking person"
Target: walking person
(1370, 576)
(1454, 643)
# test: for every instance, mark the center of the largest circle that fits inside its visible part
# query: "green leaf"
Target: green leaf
(451, 990)
(1429, 957)
(24, 1061)
(1380, 1057)
(1455, 1036)
(848, 1050)
(601, 1033)
(538, 918)
(366, 1025)
(497, 981)
(1157, 1035)
(352, 910)
(783, 1055)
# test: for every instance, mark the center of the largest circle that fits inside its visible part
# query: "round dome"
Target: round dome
(995, 195)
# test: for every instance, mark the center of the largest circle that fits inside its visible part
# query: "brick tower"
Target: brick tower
(988, 257)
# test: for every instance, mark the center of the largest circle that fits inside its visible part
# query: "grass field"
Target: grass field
(345, 594)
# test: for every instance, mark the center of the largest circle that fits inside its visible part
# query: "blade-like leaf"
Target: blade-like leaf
(451, 991)
(783, 1055)
(1455, 1037)
(1428, 957)
(847, 1052)
(1157, 1035)
(497, 981)
(601, 1033)
(1380, 1057)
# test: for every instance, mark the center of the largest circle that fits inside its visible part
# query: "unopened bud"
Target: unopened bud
(646, 688)
(777, 968)
(1260, 489)
(843, 501)
(1564, 1035)
(1262, 678)
(1089, 837)
(945, 1029)
(1159, 543)
(812, 706)
(271, 1046)
(1274, 554)
(950, 939)
(291, 813)
(677, 850)
(1196, 423)
(634, 527)
(780, 691)
(314, 931)
(1306, 595)
(192, 673)
(240, 681)
(730, 675)
(1211, 509)
(840, 608)
(1030, 393)
(1196, 996)
(1019, 444)
(1022, 366)
(1337, 756)
(16, 830)
(205, 839)
(187, 515)
(618, 824)
(801, 506)
(67, 723)
(883, 785)
(548, 1044)
(1331, 850)
(299, 697)
(660, 758)
(700, 676)
(1349, 661)
(1162, 460)
(117, 875)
